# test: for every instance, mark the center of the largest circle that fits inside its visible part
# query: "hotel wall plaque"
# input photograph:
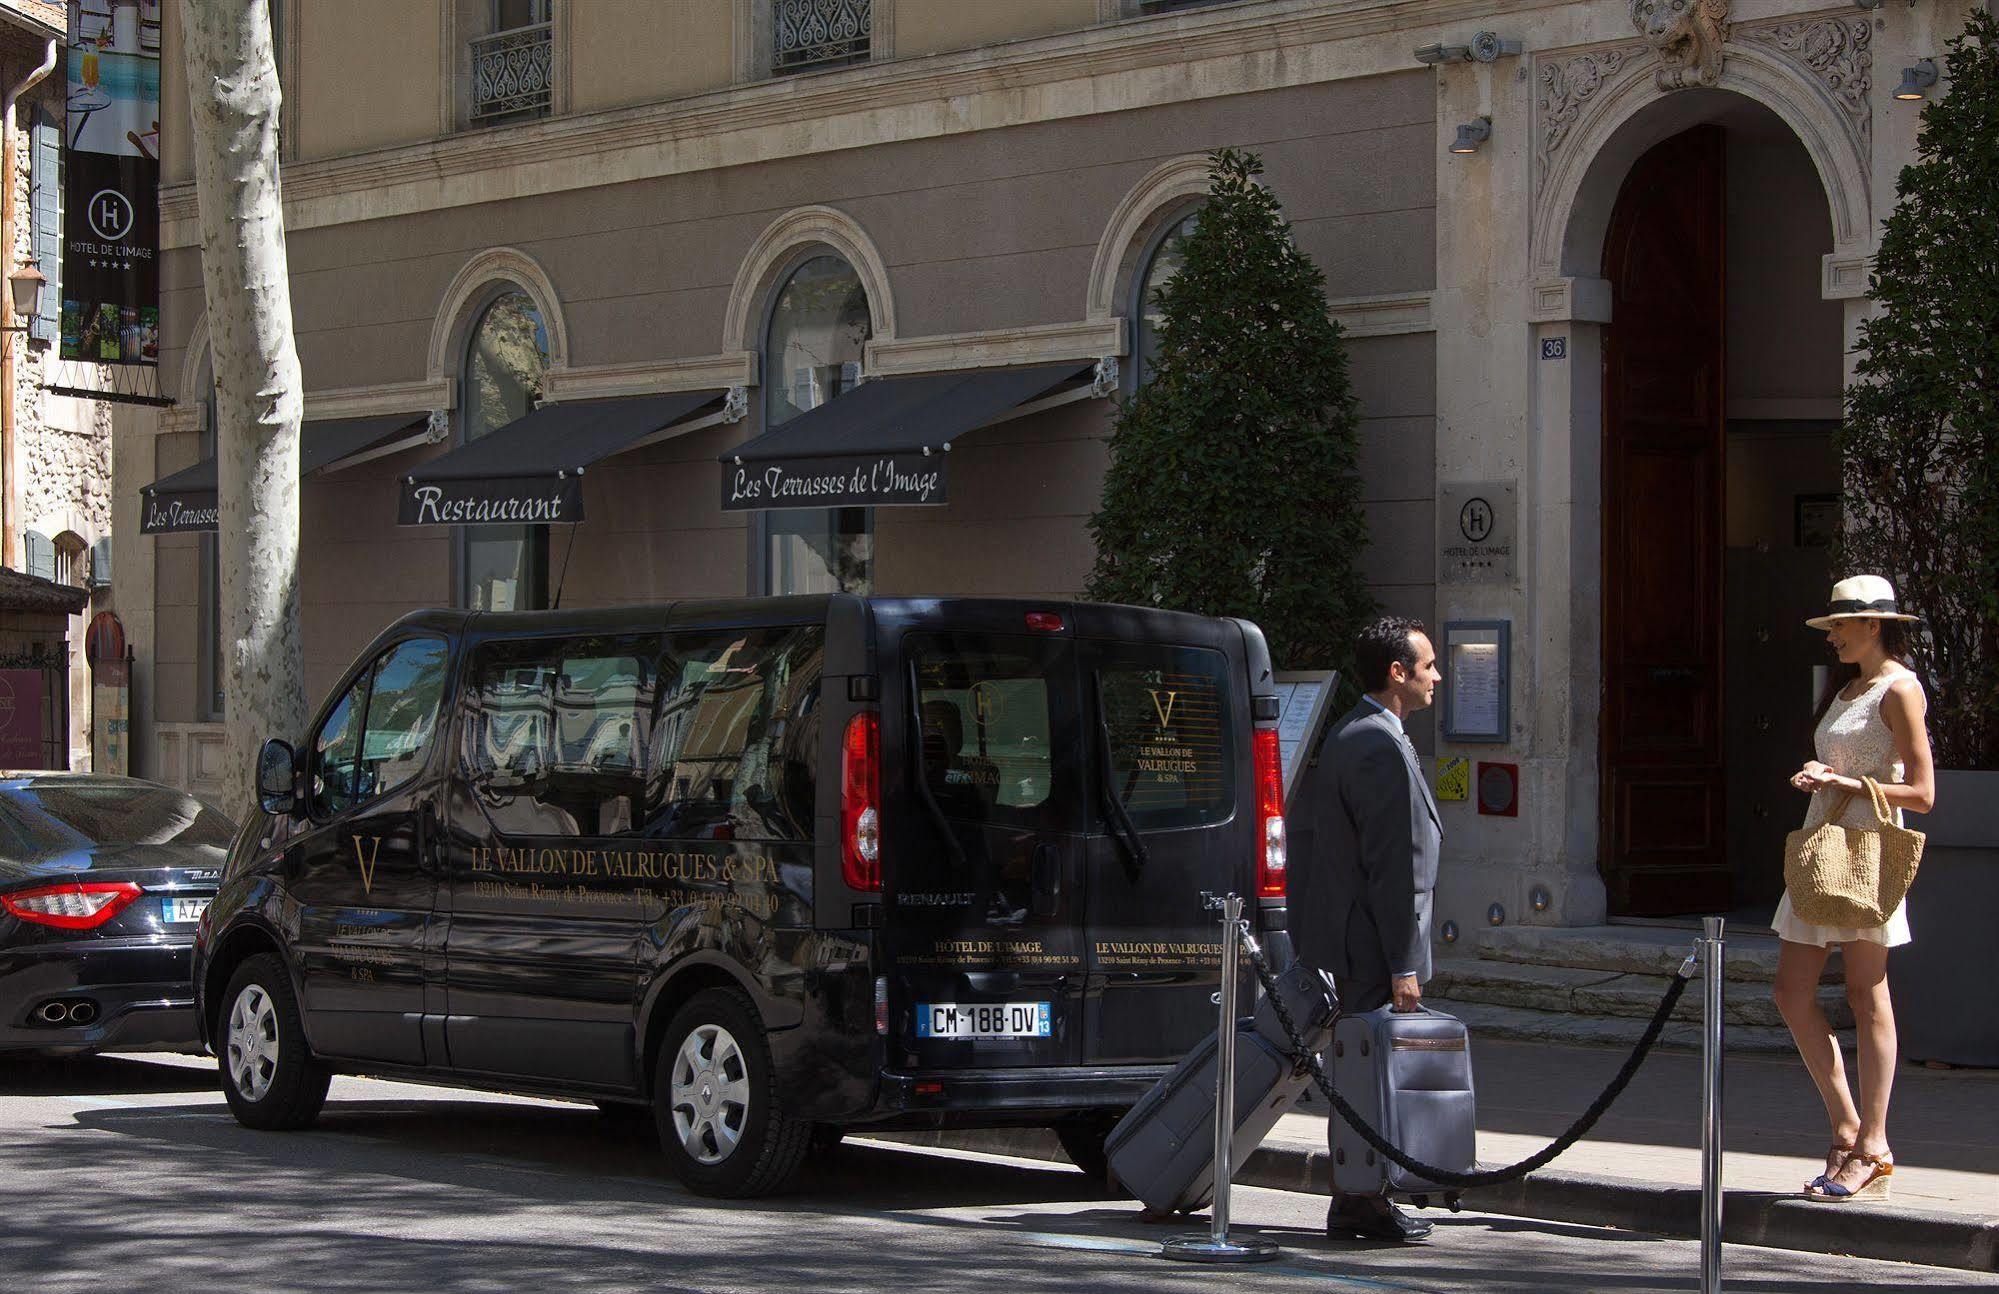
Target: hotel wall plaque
(1477, 529)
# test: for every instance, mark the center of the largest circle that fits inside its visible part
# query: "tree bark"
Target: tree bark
(234, 96)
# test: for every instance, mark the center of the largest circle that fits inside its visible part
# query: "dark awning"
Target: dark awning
(887, 440)
(185, 500)
(531, 470)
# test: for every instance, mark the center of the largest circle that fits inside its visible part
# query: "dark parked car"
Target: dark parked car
(102, 880)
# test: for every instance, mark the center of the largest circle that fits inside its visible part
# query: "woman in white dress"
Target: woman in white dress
(1870, 725)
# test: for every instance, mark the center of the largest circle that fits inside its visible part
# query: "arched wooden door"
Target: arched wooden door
(1664, 843)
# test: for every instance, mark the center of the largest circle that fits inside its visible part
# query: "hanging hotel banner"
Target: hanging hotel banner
(111, 184)
(858, 481)
(167, 511)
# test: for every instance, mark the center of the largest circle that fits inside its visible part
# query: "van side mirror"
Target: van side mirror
(277, 777)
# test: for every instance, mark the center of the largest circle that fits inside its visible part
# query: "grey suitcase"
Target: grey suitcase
(1408, 1074)
(1163, 1150)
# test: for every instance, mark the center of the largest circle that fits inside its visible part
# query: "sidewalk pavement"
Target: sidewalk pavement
(1640, 1167)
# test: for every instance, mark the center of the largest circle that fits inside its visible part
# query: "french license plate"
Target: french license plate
(983, 1020)
(177, 911)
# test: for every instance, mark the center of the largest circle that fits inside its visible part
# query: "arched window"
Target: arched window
(503, 568)
(1160, 263)
(819, 325)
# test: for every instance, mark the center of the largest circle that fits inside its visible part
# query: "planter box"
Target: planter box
(1946, 994)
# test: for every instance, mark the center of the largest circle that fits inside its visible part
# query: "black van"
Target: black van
(774, 868)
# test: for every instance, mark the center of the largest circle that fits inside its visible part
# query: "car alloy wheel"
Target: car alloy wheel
(253, 1042)
(710, 1094)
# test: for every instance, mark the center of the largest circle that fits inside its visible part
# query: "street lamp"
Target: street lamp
(25, 284)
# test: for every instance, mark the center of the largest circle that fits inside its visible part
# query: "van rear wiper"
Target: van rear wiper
(942, 823)
(1122, 826)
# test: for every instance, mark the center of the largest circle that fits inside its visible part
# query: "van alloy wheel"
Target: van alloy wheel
(253, 1042)
(710, 1096)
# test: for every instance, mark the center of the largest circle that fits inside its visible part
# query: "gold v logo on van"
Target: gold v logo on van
(1163, 710)
(366, 859)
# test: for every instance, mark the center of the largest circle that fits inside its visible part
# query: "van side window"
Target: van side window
(733, 756)
(556, 741)
(376, 736)
(1170, 730)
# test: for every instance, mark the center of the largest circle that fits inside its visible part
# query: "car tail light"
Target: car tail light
(881, 1006)
(860, 803)
(1270, 859)
(77, 905)
(1046, 622)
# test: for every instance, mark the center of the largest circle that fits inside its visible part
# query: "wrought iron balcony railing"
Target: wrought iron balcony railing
(819, 33)
(512, 72)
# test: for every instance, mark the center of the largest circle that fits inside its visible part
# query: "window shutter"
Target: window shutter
(100, 563)
(45, 203)
(40, 551)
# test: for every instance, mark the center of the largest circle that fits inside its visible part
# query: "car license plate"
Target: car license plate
(178, 911)
(983, 1020)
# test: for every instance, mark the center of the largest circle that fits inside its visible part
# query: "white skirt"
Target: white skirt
(1789, 926)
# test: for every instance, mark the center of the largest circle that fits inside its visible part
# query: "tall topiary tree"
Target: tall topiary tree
(1920, 443)
(1233, 487)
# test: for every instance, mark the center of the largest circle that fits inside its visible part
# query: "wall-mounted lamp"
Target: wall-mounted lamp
(1484, 48)
(1471, 135)
(1917, 80)
(1867, 4)
(25, 286)
(1441, 53)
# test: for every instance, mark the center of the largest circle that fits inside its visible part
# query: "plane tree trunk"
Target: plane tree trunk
(234, 96)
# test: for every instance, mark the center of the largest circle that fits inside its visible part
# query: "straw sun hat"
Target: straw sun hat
(1861, 597)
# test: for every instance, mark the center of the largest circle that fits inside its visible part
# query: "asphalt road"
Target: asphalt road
(128, 1173)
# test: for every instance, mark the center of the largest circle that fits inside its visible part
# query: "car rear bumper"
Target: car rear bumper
(1011, 1096)
(140, 995)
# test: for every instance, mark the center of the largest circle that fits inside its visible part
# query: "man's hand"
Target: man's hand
(1408, 993)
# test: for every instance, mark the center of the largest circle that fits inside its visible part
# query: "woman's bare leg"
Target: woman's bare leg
(1797, 993)
(1874, 1023)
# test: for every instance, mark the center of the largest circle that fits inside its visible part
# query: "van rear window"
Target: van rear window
(1169, 727)
(989, 708)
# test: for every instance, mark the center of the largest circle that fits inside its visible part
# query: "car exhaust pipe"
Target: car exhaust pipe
(56, 1012)
(83, 1012)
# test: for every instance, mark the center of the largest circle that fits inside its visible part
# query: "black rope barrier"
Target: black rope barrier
(1444, 1176)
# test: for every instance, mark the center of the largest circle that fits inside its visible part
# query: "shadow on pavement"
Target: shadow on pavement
(100, 1076)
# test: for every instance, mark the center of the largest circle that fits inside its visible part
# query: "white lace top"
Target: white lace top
(1853, 739)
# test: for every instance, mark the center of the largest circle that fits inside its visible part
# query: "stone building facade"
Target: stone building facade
(1599, 264)
(57, 486)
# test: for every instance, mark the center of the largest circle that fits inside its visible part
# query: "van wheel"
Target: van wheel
(715, 1098)
(269, 1078)
(1082, 1140)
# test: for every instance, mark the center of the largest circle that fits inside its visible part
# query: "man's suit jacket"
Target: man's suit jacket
(1364, 841)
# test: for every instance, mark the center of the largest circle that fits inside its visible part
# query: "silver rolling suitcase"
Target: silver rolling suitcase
(1163, 1150)
(1408, 1074)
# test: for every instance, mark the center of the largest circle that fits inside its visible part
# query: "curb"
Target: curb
(1748, 1217)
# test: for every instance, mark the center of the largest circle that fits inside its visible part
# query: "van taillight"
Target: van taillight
(1270, 860)
(860, 803)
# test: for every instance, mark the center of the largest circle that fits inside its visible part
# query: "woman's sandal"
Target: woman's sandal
(1835, 1159)
(1874, 1186)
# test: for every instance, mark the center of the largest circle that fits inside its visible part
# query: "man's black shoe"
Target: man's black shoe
(1373, 1217)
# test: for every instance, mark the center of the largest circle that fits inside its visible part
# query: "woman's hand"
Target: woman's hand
(1815, 776)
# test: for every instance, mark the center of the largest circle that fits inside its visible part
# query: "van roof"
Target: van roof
(785, 610)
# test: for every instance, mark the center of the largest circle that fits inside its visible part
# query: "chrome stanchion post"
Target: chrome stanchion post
(1216, 1247)
(1712, 964)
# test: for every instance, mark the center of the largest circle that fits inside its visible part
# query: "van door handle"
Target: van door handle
(1047, 880)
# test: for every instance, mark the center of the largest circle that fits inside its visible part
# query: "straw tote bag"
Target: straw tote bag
(1851, 878)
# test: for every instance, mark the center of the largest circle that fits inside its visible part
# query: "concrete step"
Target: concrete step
(1527, 1025)
(1577, 991)
(1637, 950)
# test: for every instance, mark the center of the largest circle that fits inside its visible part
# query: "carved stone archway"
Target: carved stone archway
(467, 294)
(772, 252)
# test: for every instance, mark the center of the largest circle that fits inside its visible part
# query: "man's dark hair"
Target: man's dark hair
(1380, 645)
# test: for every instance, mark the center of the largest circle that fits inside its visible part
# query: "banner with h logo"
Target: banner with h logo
(111, 184)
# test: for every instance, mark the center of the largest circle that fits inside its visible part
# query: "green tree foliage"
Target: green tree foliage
(1232, 488)
(1920, 442)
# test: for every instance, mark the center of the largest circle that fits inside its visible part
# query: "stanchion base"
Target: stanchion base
(1204, 1248)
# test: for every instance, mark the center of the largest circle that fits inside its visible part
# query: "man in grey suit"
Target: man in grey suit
(1364, 863)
